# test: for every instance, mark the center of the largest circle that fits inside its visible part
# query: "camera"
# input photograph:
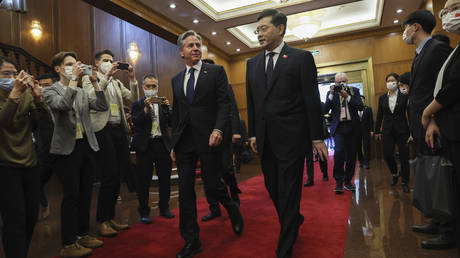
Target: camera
(87, 69)
(339, 86)
(158, 100)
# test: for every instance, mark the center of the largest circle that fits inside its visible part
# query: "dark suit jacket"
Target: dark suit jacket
(143, 125)
(235, 116)
(367, 120)
(425, 69)
(355, 105)
(393, 123)
(287, 109)
(209, 110)
(448, 118)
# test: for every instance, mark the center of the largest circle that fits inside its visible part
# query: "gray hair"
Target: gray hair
(183, 36)
(149, 76)
(337, 75)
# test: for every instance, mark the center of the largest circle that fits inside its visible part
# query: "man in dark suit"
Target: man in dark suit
(152, 143)
(367, 131)
(200, 113)
(239, 146)
(429, 57)
(345, 128)
(284, 120)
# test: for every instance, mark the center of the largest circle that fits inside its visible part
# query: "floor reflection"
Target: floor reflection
(381, 217)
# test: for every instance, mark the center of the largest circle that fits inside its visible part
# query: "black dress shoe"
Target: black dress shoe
(235, 217)
(167, 214)
(211, 216)
(146, 220)
(190, 249)
(349, 186)
(339, 188)
(308, 183)
(440, 242)
(426, 229)
(405, 188)
(394, 180)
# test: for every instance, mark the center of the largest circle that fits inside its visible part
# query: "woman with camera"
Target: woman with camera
(394, 131)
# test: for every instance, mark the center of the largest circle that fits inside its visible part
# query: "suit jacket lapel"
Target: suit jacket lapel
(201, 77)
(280, 63)
(386, 102)
(261, 79)
(180, 86)
(419, 58)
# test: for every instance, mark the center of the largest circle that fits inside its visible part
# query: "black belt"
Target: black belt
(113, 125)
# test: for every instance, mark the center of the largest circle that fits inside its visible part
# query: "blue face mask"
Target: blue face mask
(7, 83)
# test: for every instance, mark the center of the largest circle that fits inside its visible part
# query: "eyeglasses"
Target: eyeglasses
(261, 29)
(449, 9)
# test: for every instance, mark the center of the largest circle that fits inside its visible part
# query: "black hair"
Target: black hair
(405, 78)
(98, 55)
(442, 38)
(149, 76)
(208, 61)
(423, 17)
(59, 58)
(47, 76)
(4, 59)
(396, 76)
(278, 18)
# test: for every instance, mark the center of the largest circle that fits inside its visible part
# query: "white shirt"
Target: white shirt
(392, 101)
(187, 75)
(277, 52)
(155, 119)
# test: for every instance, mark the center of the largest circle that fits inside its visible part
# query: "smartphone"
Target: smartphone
(87, 69)
(123, 66)
(158, 100)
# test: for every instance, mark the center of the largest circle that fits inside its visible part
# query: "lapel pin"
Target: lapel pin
(284, 56)
(205, 71)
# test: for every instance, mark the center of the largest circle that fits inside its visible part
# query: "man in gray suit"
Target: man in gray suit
(74, 143)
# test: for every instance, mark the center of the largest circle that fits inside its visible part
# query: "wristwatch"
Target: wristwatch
(74, 78)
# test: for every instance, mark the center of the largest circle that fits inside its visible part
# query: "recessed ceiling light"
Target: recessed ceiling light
(238, 50)
(395, 21)
(196, 21)
(399, 11)
(213, 33)
(228, 43)
(172, 5)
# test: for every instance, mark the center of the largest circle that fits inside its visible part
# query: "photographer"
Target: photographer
(345, 102)
(152, 143)
(112, 133)
(21, 106)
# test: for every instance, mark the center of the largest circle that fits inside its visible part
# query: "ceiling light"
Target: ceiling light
(399, 11)
(238, 50)
(172, 5)
(228, 43)
(214, 33)
(396, 21)
(306, 31)
(196, 21)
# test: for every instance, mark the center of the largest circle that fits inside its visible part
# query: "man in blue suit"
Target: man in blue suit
(345, 128)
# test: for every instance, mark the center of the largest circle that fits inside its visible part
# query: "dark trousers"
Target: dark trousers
(19, 194)
(345, 140)
(311, 166)
(156, 153)
(389, 142)
(45, 168)
(283, 180)
(112, 160)
(211, 172)
(76, 175)
(364, 148)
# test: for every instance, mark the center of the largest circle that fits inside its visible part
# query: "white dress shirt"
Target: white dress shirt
(197, 68)
(392, 101)
(277, 52)
(155, 120)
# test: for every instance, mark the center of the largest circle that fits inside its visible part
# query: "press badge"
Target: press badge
(154, 127)
(79, 132)
(114, 110)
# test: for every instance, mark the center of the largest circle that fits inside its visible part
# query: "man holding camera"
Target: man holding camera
(345, 102)
(111, 131)
(152, 143)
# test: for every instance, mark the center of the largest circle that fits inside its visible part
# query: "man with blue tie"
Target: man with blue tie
(201, 109)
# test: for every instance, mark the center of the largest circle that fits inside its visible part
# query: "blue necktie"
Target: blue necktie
(269, 71)
(191, 85)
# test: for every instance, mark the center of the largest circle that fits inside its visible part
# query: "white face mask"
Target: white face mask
(105, 67)
(150, 93)
(403, 90)
(68, 71)
(391, 85)
(408, 39)
(451, 22)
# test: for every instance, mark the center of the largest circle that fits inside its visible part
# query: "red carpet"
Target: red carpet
(323, 233)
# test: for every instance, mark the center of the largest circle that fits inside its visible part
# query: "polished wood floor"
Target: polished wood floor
(378, 226)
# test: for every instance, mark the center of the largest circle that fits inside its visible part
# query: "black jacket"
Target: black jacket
(393, 123)
(448, 118)
(287, 109)
(367, 120)
(143, 126)
(425, 69)
(209, 110)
